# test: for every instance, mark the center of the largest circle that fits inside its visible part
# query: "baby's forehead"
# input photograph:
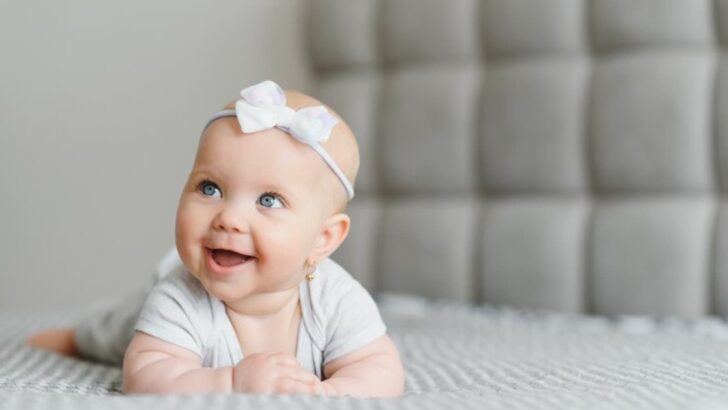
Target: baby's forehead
(223, 138)
(269, 156)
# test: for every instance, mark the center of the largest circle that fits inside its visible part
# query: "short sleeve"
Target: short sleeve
(353, 319)
(177, 311)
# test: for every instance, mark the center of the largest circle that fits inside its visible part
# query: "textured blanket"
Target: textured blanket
(455, 356)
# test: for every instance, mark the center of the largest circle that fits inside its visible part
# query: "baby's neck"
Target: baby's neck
(264, 307)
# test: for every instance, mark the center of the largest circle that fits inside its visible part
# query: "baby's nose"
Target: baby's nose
(231, 219)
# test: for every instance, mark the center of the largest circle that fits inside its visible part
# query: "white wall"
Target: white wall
(101, 104)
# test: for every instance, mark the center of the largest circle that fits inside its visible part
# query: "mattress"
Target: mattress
(455, 356)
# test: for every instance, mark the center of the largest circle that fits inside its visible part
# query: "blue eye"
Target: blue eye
(270, 200)
(209, 188)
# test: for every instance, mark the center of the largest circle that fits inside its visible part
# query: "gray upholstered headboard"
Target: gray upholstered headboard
(563, 154)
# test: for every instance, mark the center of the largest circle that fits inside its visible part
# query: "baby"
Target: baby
(255, 305)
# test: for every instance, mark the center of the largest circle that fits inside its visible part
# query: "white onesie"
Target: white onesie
(338, 317)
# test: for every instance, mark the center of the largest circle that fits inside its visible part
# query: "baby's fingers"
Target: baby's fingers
(305, 376)
(291, 385)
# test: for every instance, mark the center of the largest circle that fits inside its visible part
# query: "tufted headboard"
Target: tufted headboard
(562, 154)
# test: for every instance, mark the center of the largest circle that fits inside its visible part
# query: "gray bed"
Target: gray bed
(455, 355)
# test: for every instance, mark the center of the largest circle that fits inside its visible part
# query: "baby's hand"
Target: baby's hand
(275, 372)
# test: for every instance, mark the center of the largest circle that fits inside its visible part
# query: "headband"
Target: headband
(263, 106)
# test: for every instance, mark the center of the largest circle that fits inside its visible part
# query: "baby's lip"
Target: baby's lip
(244, 253)
(223, 262)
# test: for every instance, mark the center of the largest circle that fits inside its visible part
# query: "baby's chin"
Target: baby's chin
(226, 292)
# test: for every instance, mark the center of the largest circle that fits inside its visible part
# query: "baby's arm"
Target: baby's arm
(152, 365)
(374, 370)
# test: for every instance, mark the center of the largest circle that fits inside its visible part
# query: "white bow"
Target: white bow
(264, 106)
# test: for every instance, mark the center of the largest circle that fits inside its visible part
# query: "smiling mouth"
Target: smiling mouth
(226, 258)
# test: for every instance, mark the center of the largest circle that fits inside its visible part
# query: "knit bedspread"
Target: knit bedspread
(455, 356)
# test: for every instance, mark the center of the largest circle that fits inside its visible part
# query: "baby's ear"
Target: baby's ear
(335, 230)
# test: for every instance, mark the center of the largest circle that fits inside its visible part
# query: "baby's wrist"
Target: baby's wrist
(227, 380)
(235, 379)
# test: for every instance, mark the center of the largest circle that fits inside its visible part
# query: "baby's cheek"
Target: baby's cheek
(185, 231)
(286, 246)
(181, 231)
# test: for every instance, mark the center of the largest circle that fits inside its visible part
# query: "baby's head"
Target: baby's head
(260, 209)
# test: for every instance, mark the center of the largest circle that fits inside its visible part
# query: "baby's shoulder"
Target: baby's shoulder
(334, 276)
(180, 290)
(178, 311)
(172, 274)
(349, 317)
(183, 281)
(336, 285)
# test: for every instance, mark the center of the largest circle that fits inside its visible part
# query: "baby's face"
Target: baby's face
(251, 211)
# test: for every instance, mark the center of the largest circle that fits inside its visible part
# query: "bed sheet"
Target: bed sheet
(455, 356)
